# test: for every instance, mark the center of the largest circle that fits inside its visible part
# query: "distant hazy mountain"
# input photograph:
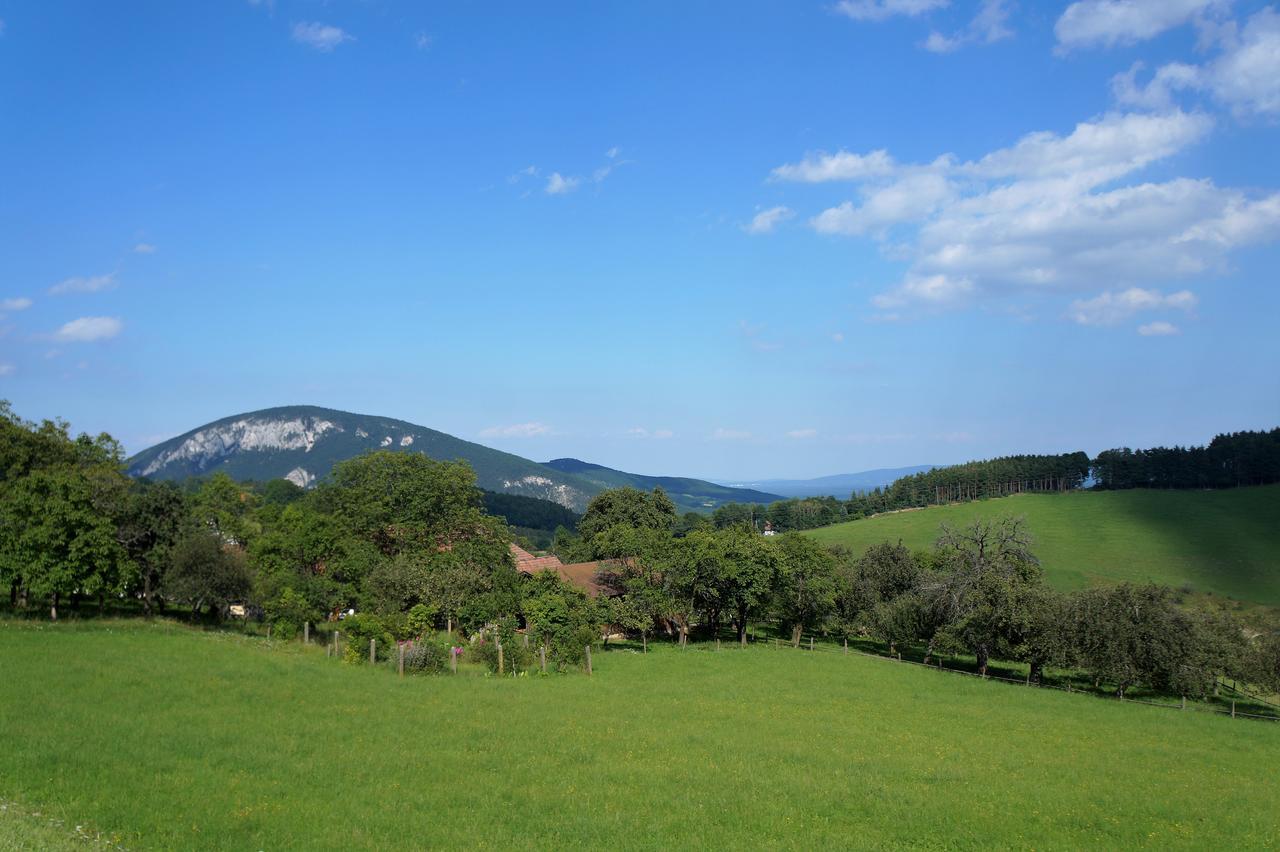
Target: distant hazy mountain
(301, 443)
(839, 485)
(687, 494)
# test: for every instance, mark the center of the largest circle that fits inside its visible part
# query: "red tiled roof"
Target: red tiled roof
(581, 574)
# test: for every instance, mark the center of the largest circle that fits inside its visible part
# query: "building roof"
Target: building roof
(580, 574)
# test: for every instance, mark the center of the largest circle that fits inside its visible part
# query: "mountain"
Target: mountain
(301, 443)
(689, 495)
(838, 485)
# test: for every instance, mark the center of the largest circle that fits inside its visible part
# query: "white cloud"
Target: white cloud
(821, 167)
(1051, 213)
(766, 220)
(19, 304)
(730, 435)
(988, 26)
(1112, 307)
(527, 171)
(802, 434)
(907, 199)
(322, 37)
(1244, 77)
(878, 10)
(558, 184)
(144, 248)
(516, 430)
(1159, 328)
(89, 330)
(6, 369)
(656, 434)
(90, 284)
(838, 337)
(1090, 23)
(612, 153)
(422, 40)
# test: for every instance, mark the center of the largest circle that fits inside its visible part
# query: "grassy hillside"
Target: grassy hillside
(1225, 542)
(689, 495)
(177, 739)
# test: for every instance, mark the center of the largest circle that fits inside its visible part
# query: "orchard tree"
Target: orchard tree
(985, 570)
(151, 523)
(206, 571)
(804, 584)
(629, 507)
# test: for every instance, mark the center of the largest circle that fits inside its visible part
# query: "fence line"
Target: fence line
(827, 648)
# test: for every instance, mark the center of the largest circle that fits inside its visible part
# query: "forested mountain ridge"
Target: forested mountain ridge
(688, 494)
(301, 443)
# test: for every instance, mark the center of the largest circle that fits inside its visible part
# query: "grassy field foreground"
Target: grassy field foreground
(170, 738)
(1226, 542)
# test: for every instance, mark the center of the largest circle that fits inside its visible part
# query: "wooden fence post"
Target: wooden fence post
(306, 632)
(1233, 708)
(501, 669)
(542, 656)
(373, 651)
(589, 663)
(335, 643)
(453, 659)
(1184, 702)
(810, 643)
(846, 644)
(268, 632)
(717, 643)
(401, 663)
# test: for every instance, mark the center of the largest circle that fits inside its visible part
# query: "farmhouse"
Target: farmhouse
(580, 574)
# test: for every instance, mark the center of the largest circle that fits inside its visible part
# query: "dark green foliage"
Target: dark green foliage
(206, 572)
(1238, 458)
(975, 480)
(802, 513)
(805, 583)
(628, 507)
(529, 512)
(357, 630)
(688, 494)
(560, 618)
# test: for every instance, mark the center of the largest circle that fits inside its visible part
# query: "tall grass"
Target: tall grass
(174, 738)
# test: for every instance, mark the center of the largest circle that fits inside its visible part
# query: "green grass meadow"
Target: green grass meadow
(1226, 542)
(170, 738)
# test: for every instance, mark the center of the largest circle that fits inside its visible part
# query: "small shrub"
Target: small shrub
(357, 630)
(427, 656)
(421, 619)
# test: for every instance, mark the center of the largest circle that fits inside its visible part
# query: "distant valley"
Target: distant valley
(838, 485)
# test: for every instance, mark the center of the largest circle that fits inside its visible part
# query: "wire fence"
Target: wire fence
(816, 645)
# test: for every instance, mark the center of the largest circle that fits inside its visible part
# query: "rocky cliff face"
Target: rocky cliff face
(210, 445)
(302, 443)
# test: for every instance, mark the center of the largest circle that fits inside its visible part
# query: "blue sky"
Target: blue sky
(734, 239)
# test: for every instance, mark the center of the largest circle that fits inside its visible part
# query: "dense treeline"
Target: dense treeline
(980, 592)
(396, 544)
(1238, 458)
(1230, 460)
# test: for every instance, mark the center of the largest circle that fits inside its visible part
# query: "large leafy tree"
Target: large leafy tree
(58, 540)
(978, 597)
(629, 507)
(206, 572)
(149, 527)
(805, 584)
